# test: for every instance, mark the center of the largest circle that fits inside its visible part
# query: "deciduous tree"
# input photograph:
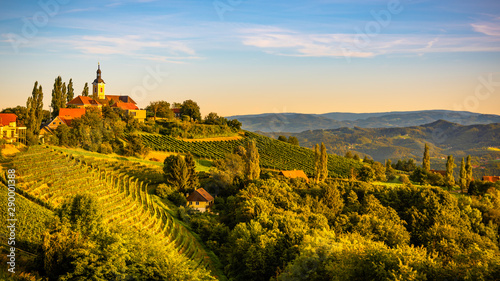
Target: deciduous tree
(85, 91)
(191, 109)
(71, 91)
(34, 110)
(58, 97)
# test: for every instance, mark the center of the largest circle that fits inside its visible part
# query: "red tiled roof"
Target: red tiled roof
(7, 118)
(125, 105)
(441, 172)
(68, 114)
(118, 99)
(200, 195)
(294, 174)
(176, 110)
(81, 100)
(491, 178)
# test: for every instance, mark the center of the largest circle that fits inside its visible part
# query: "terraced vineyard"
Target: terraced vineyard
(51, 176)
(274, 154)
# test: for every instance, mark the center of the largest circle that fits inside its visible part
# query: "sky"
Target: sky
(236, 57)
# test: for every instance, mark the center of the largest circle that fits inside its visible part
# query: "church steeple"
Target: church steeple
(98, 85)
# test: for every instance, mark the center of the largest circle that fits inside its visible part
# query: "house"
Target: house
(200, 200)
(177, 112)
(491, 178)
(294, 174)
(441, 172)
(66, 116)
(9, 129)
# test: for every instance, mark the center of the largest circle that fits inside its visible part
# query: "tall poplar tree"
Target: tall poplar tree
(34, 109)
(71, 91)
(426, 162)
(317, 164)
(85, 91)
(468, 171)
(450, 179)
(58, 98)
(463, 176)
(252, 165)
(323, 163)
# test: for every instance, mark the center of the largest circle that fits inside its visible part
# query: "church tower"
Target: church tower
(98, 85)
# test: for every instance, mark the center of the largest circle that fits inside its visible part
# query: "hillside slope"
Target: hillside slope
(52, 176)
(273, 154)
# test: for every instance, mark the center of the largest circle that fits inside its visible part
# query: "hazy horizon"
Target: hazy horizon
(254, 57)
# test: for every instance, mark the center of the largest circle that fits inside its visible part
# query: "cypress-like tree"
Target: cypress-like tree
(468, 171)
(34, 109)
(323, 163)
(426, 162)
(450, 179)
(252, 166)
(317, 164)
(58, 98)
(463, 176)
(85, 91)
(71, 91)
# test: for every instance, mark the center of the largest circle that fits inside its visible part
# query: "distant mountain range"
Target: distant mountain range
(444, 138)
(297, 122)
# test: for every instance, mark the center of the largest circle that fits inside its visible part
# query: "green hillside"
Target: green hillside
(273, 154)
(50, 177)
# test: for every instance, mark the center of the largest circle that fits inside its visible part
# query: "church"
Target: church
(77, 106)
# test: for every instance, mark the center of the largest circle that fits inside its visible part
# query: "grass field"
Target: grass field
(494, 149)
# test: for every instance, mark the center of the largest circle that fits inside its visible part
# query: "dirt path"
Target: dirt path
(9, 149)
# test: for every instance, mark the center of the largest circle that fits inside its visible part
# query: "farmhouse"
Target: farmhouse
(491, 178)
(294, 174)
(200, 200)
(9, 129)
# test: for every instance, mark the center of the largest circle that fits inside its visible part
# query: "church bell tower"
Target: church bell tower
(98, 85)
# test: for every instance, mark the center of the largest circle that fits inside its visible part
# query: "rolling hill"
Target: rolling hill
(444, 137)
(296, 122)
(274, 154)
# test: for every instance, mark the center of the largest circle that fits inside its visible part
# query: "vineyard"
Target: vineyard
(52, 176)
(28, 234)
(274, 154)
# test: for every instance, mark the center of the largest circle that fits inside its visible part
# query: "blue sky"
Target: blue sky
(246, 57)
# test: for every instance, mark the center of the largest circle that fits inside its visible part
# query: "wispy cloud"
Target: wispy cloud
(491, 28)
(291, 43)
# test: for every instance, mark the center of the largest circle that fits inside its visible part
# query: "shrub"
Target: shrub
(105, 148)
(404, 179)
(163, 190)
(177, 198)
